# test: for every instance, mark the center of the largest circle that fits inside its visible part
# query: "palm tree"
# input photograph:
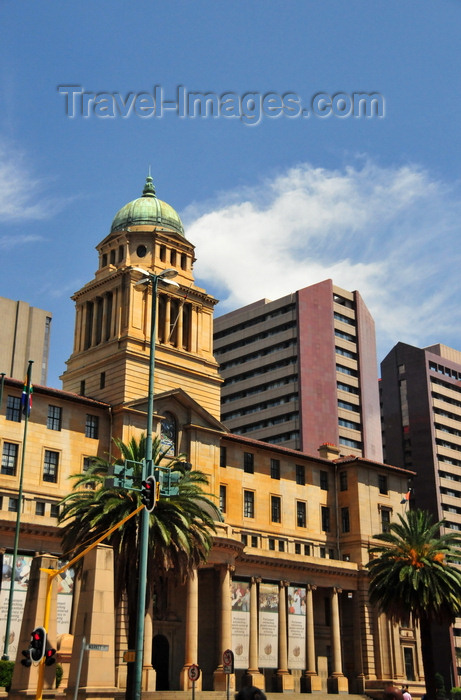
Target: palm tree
(415, 574)
(181, 526)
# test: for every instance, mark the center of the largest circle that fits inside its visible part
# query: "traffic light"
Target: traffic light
(26, 661)
(49, 657)
(37, 644)
(148, 493)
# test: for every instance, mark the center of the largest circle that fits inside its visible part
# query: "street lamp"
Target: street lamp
(154, 280)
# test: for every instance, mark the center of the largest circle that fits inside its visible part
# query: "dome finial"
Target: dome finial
(149, 189)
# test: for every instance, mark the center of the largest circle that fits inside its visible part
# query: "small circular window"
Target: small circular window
(141, 251)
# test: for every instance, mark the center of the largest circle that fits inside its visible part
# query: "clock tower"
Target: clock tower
(110, 358)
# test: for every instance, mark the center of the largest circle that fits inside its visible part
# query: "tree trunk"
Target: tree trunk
(428, 657)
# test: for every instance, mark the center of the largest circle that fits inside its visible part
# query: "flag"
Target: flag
(26, 398)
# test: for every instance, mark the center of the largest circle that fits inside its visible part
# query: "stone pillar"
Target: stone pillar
(253, 676)
(284, 679)
(25, 679)
(337, 683)
(95, 625)
(94, 326)
(167, 329)
(179, 327)
(311, 682)
(219, 677)
(148, 673)
(191, 642)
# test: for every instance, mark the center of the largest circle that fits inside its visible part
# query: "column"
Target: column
(284, 679)
(148, 673)
(167, 330)
(311, 683)
(179, 327)
(94, 326)
(253, 676)
(191, 641)
(337, 683)
(104, 317)
(225, 642)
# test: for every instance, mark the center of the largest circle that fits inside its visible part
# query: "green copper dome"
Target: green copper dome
(147, 210)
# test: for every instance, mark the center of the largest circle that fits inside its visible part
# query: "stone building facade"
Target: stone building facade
(285, 585)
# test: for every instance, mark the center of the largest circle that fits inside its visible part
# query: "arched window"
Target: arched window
(169, 433)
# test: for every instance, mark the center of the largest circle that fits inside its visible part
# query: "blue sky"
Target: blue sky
(373, 203)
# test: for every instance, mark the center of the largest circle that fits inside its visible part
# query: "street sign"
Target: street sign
(129, 656)
(228, 661)
(193, 673)
(97, 647)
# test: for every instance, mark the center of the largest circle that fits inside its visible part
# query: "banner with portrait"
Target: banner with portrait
(21, 583)
(240, 600)
(296, 627)
(268, 625)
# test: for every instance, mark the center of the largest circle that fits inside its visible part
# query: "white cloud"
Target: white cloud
(22, 195)
(391, 233)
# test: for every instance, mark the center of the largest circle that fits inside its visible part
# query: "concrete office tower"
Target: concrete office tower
(25, 335)
(421, 407)
(301, 371)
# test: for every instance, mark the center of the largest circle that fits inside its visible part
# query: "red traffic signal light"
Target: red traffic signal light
(37, 644)
(49, 657)
(148, 493)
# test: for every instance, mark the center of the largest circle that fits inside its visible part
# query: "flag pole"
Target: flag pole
(5, 656)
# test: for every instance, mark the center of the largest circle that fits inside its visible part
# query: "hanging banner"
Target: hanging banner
(21, 582)
(268, 625)
(296, 628)
(240, 600)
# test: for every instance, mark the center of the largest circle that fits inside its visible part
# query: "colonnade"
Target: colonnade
(285, 681)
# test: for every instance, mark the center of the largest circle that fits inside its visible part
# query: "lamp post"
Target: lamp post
(152, 279)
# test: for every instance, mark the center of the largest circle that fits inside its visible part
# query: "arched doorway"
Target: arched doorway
(161, 661)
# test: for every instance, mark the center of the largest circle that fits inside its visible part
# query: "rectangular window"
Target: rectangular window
(91, 426)
(102, 380)
(271, 543)
(87, 462)
(222, 457)
(324, 481)
(345, 523)
(40, 508)
(50, 466)
(297, 548)
(331, 553)
(323, 552)
(54, 418)
(385, 519)
(343, 481)
(54, 510)
(382, 484)
(244, 540)
(281, 546)
(9, 458)
(307, 550)
(300, 474)
(248, 504)
(300, 514)
(325, 519)
(275, 469)
(13, 505)
(13, 408)
(276, 509)
(254, 541)
(248, 462)
(222, 498)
